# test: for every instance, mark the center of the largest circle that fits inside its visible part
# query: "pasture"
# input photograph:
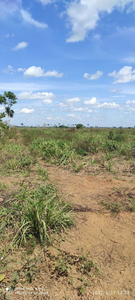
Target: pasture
(67, 213)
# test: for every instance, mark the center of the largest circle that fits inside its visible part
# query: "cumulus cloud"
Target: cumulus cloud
(30, 95)
(71, 115)
(47, 101)
(9, 70)
(72, 100)
(126, 74)
(20, 69)
(45, 2)
(130, 109)
(78, 109)
(83, 15)
(53, 74)
(108, 105)
(45, 96)
(92, 101)
(28, 19)
(27, 110)
(95, 103)
(20, 46)
(130, 102)
(62, 105)
(39, 72)
(95, 76)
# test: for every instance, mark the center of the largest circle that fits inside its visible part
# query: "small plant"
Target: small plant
(3, 186)
(43, 173)
(61, 268)
(41, 213)
(86, 265)
(114, 207)
(81, 290)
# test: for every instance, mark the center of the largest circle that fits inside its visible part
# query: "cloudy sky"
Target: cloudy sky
(69, 61)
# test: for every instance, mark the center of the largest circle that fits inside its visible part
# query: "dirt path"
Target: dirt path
(108, 240)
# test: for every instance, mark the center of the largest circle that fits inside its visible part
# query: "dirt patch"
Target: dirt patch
(109, 240)
(96, 259)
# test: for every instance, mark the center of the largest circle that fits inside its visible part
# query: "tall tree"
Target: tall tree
(8, 100)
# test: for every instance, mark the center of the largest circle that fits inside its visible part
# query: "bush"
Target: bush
(79, 126)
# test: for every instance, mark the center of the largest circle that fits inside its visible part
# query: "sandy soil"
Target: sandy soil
(107, 239)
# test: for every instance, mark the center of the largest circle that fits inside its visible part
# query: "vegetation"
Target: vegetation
(33, 214)
(8, 100)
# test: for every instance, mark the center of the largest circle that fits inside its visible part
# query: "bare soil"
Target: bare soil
(103, 236)
(109, 239)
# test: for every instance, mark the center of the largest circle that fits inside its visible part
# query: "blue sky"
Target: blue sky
(69, 62)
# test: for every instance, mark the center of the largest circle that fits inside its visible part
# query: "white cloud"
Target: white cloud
(130, 102)
(45, 2)
(27, 111)
(83, 15)
(20, 46)
(20, 70)
(78, 109)
(53, 74)
(95, 76)
(72, 100)
(28, 19)
(97, 36)
(130, 109)
(92, 101)
(108, 105)
(2, 108)
(63, 105)
(34, 71)
(35, 96)
(71, 115)
(118, 96)
(114, 91)
(9, 7)
(47, 101)
(9, 35)
(9, 70)
(126, 74)
(129, 59)
(39, 72)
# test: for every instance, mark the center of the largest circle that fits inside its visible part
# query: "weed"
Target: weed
(86, 265)
(43, 173)
(3, 186)
(41, 213)
(114, 207)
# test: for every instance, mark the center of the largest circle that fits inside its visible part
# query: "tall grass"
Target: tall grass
(38, 213)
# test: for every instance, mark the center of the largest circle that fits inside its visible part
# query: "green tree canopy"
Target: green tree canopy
(8, 100)
(78, 126)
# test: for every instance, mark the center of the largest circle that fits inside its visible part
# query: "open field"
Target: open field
(67, 213)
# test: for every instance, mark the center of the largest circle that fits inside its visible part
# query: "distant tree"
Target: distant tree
(79, 126)
(21, 124)
(8, 100)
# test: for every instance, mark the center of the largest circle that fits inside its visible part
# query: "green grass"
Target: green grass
(36, 213)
